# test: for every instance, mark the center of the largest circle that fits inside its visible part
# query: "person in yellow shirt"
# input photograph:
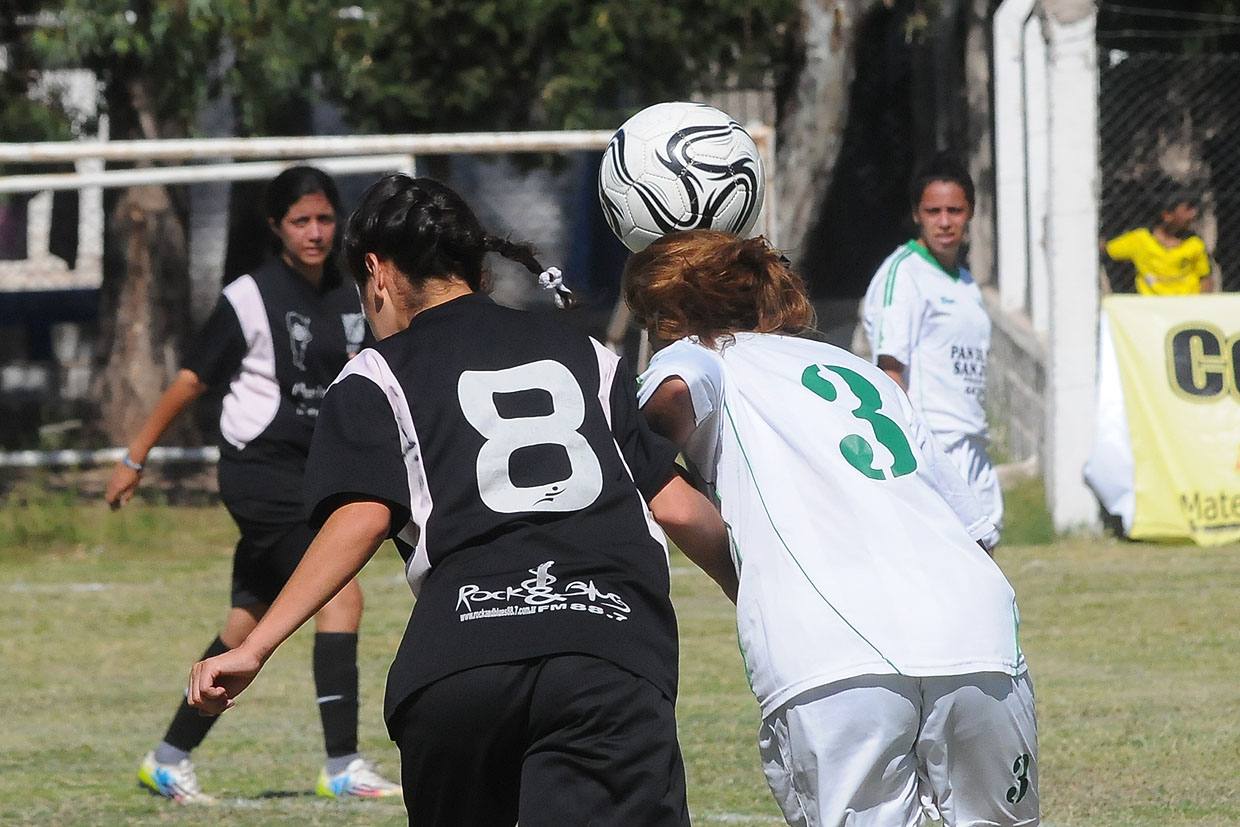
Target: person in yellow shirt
(1170, 260)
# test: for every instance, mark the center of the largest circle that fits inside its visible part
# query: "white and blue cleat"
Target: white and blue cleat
(178, 782)
(360, 779)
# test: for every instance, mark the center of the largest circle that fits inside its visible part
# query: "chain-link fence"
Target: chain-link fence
(1168, 125)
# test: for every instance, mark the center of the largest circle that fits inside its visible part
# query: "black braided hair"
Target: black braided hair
(427, 231)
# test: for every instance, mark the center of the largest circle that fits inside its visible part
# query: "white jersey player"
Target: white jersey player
(879, 637)
(928, 330)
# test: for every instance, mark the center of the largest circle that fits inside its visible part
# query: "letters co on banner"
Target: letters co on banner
(1166, 455)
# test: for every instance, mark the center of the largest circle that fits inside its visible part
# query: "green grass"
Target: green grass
(1026, 519)
(1133, 648)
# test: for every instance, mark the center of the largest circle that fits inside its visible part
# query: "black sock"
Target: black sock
(188, 728)
(335, 684)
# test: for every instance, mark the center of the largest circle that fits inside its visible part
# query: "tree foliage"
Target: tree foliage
(425, 65)
(24, 118)
(422, 65)
(168, 57)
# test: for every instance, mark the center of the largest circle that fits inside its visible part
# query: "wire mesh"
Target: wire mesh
(1167, 128)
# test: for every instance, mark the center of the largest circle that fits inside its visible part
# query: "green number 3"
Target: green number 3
(856, 448)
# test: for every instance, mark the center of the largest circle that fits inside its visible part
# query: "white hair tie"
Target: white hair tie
(553, 279)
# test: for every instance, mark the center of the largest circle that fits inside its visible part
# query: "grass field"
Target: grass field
(1135, 652)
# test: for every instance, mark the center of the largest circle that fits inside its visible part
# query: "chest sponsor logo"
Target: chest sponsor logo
(308, 398)
(298, 336)
(969, 365)
(354, 331)
(538, 595)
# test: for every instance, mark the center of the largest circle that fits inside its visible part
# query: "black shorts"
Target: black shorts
(553, 742)
(265, 558)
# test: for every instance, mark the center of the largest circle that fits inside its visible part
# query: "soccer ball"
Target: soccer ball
(680, 166)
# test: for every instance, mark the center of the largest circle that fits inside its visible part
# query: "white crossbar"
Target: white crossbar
(199, 173)
(305, 146)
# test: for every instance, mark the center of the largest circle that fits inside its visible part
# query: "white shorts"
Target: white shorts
(864, 752)
(969, 457)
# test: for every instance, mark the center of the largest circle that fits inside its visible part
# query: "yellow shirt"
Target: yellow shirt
(1162, 271)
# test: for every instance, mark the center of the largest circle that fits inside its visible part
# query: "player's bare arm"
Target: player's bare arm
(685, 515)
(347, 540)
(669, 411)
(184, 390)
(696, 528)
(894, 368)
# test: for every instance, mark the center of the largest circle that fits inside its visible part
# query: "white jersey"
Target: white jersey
(852, 534)
(933, 322)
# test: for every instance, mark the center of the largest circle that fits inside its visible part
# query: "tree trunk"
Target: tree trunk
(144, 299)
(814, 115)
(147, 305)
(979, 138)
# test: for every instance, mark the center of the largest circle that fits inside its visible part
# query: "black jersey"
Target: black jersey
(511, 450)
(276, 342)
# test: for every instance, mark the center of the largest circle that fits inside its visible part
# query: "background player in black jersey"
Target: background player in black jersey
(504, 453)
(275, 341)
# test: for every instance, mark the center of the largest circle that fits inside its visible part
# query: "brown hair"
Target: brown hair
(711, 284)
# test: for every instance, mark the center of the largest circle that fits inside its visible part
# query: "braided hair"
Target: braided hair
(427, 231)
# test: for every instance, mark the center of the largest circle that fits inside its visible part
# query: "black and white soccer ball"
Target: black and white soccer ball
(680, 166)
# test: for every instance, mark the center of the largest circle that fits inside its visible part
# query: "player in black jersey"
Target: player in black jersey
(275, 341)
(504, 454)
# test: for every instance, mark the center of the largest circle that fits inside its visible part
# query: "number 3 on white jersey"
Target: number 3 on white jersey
(855, 448)
(476, 391)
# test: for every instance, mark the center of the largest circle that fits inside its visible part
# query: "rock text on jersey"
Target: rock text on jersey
(538, 595)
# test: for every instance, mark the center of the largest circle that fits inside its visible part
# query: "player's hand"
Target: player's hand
(121, 485)
(215, 683)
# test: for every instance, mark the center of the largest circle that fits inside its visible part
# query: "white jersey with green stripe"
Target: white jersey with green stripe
(852, 533)
(933, 322)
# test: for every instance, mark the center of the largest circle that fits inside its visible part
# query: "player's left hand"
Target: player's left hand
(122, 485)
(215, 683)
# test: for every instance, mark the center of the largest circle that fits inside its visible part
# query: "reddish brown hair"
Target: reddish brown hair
(711, 284)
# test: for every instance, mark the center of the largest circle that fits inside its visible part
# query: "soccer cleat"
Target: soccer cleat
(361, 778)
(176, 781)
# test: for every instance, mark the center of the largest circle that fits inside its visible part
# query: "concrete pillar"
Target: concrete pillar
(1037, 176)
(1072, 255)
(1011, 199)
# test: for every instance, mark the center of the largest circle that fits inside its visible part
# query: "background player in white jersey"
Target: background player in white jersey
(879, 637)
(504, 453)
(276, 339)
(927, 327)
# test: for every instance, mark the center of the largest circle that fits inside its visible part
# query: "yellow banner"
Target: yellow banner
(1179, 362)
